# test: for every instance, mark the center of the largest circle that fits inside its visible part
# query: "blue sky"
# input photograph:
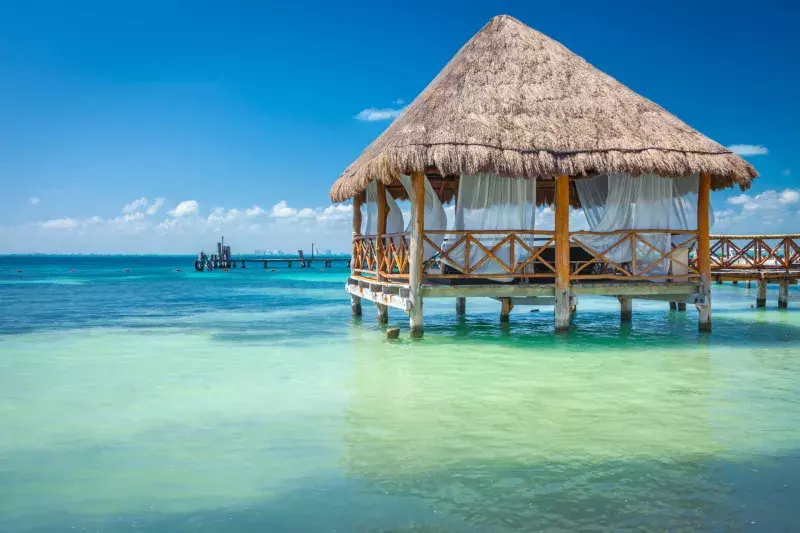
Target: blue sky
(243, 113)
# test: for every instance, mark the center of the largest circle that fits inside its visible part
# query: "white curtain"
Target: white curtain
(489, 202)
(394, 217)
(615, 201)
(434, 217)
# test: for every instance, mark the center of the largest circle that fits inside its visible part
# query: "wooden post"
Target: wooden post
(562, 253)
(681, 306)
(505, 309)
(416, 252)
(704, 253)
(783, 293)
(673, 306)
(625, 309)
(761, 296)
(383, 208)
(355, 301)
(461, 306)
(747, 284)
(383, 313)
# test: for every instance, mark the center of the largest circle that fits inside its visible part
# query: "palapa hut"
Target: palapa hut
(515, 121)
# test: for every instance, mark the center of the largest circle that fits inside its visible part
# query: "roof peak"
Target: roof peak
(517, 103)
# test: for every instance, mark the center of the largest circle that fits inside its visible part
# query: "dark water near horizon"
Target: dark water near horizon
(164, 401)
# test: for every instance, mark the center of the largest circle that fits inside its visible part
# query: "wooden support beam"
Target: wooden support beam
(562, 253)
(415, 252)
(625, 309)
(636, 289)
(461, 306)
(355, 301)
(383, 313)
(761, 296)
(505, 309)
(704, 252)
(488, 291)
(355, 305)
(681, 306)
(783, 294)
(383, 209)
(673, 306)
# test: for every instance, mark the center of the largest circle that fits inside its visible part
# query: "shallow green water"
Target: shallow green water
(250, 401)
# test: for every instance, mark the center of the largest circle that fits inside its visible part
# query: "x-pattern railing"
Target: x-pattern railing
(755, 252)
(632, 255)
(529, 254)
(364, 254)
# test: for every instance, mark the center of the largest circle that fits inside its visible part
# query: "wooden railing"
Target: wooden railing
(364, 255)
(755, 252)
(632, 255)
(621, 255)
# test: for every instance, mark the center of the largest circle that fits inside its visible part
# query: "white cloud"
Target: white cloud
(306, 212)
(157, 203)
(373, 114)
(740, 199)
(33, 200)
(185, 208)
(748, 149)
(773, 208)
(399, 101)
(253, 211)
(789, 196)
(135, 205)
(59, 223)
(282, 210)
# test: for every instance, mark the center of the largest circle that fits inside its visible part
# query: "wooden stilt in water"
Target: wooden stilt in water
(625, 309)
(383, 313)
(505, 309)
(673, 306)
(383, 209)
(355, 305)
(704, 253)
(761, 296)
(735, 282)
(562, 253)
(461, 306)
(355, 301)
(416, 252)
(681, 306)
(783, 293)
(747, 285)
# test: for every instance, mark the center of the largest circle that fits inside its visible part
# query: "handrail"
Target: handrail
(526, 254)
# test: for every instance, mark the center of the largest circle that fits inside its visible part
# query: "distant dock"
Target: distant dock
(224, 260)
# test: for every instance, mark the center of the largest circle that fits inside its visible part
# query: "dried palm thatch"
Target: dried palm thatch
(516, 103)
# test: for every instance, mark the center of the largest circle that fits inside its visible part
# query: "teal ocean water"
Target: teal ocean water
(164, 401)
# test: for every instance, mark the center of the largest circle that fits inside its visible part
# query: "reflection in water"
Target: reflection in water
(510, 439)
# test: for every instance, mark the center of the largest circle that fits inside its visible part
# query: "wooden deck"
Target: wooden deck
(753, 259)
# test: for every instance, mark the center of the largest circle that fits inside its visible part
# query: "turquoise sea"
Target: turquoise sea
(163, 401)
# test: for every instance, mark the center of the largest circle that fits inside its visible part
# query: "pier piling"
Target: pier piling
(783, 293)
(625, 309)
(761, 297)
(461, 306)
(505, 309)
(383, 313)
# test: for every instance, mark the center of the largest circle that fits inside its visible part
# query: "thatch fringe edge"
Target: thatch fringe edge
(726, 169)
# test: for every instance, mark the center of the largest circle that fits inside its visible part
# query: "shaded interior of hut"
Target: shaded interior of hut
(486, 228)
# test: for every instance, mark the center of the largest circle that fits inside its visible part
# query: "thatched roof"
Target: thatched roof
(518, 104)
